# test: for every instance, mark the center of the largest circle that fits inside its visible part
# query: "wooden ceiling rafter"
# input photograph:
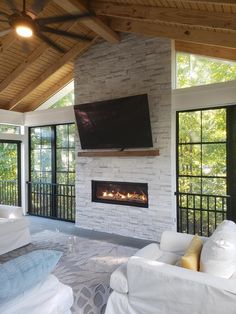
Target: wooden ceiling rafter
(217, 2)
(169, 15)
(206, 50)
(195, 35)
(94, 23)
(77, 50)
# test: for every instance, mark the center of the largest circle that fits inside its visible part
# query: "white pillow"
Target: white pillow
(218, 256)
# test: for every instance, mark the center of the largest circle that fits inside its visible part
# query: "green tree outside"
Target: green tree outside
(195, 70)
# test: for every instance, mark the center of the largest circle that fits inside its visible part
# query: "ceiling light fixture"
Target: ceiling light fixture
(24, 30)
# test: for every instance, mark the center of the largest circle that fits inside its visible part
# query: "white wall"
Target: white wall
(207, 96)
(49, 116)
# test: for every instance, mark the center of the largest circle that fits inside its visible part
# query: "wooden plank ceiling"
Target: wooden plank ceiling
(27, 79)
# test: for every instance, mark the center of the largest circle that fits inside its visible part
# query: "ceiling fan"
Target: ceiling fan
(26, 24)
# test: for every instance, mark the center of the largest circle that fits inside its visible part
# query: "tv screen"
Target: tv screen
(117, 123)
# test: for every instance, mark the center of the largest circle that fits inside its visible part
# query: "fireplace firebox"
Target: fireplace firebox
(122, 193)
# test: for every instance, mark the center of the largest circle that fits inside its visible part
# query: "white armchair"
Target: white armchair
(14, 228)
(151, 283)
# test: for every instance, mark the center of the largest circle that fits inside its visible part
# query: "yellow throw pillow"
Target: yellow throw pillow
(191, 258)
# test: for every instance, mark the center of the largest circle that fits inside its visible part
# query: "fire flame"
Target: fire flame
(125, 197)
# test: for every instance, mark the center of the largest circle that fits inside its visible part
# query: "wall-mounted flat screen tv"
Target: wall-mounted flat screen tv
(117, 123)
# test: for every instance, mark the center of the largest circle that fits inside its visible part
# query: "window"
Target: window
(195, 70)
(67, 100)
(10, 129)
(52, 171)
(10, 191)
(202, 176)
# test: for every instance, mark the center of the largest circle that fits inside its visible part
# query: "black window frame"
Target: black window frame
(230, 196)
(19, 192)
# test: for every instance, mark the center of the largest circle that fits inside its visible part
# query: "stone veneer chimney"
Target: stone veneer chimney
(137, 65)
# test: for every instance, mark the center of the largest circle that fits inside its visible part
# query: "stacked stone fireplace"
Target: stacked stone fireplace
(136, 66)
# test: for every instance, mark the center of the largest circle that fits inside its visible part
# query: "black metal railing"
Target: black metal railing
(198, 213)
(9, 194)
(52, 200)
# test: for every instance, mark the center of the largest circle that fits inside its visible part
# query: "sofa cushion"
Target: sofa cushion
(7, 211)
(191, 258)
(118, 280)
(218, 255)
(169, 258)
(151, 251)
(12, 225)
(24, 272)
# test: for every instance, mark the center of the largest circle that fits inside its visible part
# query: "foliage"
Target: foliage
(202, 168)
(67, 100)
(10, 129)
(8, 173)
(41, 154)
(194, 70)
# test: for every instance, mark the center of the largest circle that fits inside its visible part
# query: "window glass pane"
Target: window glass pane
(190, 185)
(62, 136)
(46, 135)
(190, 127)
(214, 125)
(214, 186)
(72, 135)
(9, 129)
(62, 160)
(194, 70)
(190, 159)
(9, 188)
(214, 159)
(67, 100)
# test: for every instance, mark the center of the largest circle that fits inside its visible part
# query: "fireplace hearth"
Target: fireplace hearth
(122, 193)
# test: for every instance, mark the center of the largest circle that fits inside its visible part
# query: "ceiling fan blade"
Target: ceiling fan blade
(62, 18)
(4, 14)
(11, 4)
(5, 32)
(64, 33)
(38, 6)
(50, 42)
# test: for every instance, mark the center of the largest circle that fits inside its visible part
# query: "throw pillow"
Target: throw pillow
(218, 256)
(191, 258)
(24, 272)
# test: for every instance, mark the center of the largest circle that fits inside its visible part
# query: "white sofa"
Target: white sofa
(151, 283)
(14, 229)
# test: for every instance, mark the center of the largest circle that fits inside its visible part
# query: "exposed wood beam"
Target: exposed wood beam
(206, 50)
(51, 92)
(42, 48)
(7, 42)
(93, 23)
(77, 50)
(219, 2)
(169, 15)
(208, 37)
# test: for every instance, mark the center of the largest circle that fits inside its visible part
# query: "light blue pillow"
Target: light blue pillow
(24, 272)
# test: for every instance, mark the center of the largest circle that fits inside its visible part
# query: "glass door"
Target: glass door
(202, 172)
(52, 172)
(10, 173)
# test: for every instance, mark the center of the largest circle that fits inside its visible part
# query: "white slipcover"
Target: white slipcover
(155, 287)
(14, 232)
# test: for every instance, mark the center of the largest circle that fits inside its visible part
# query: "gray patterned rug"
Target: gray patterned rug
(86, 266)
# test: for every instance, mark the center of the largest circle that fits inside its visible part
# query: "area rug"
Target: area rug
(86, 266)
